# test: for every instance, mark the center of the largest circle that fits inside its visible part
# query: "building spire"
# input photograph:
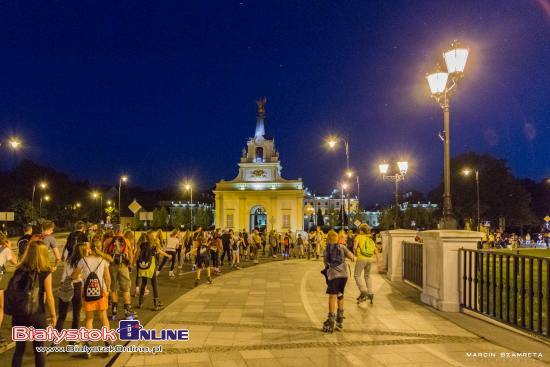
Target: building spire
(260, 117)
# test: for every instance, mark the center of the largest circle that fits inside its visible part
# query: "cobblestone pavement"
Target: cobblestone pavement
(271, 315)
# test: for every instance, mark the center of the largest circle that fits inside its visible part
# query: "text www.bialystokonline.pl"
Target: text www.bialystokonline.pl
(99, 349)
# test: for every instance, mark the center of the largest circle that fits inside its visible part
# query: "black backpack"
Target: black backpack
(146, 254)
(93, 289)
(22, 244)
(21, 298)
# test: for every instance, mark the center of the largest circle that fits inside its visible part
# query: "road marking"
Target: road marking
(303, 296)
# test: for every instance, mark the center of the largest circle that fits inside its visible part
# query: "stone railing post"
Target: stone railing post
(395, 251)
(385, 249)
(441, 276)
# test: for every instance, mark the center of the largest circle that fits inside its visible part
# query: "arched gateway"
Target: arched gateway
(259, 197)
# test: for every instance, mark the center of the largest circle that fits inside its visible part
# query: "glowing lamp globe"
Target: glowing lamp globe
(403, 166)
(456, 58)
(383, 167)
(437, 82)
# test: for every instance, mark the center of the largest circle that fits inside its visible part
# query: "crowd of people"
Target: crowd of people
(97, 267)
(500, 239)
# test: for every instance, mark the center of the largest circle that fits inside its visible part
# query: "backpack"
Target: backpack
(146, 254)
(366, 247)
(335, 257)
(118, 250)
(22, 244)
(21, 294)
(93, 289)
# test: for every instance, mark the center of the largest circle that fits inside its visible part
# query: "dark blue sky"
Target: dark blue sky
(165, 90)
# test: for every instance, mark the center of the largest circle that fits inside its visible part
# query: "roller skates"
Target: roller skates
(328, 325)
(364, 297)
(339, 320)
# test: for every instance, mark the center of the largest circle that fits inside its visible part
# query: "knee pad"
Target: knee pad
(340, 297)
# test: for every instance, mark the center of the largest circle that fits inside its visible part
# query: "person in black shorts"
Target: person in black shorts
(336, 272)
(203, 258)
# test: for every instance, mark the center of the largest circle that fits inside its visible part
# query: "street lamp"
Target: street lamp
(332, 142)
(12, 143)
(98, 195)
(45, 198)
(403, 167)
(122, 179)
(344, 186)
(441, 90)
(466, 172)
(189, 187)
(42, 185)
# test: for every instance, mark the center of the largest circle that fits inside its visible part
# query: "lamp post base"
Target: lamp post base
(448, 222)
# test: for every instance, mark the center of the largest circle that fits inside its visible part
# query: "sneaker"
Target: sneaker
(171, 274)
(180, 267)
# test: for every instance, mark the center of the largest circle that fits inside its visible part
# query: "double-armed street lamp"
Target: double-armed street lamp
(332, 143)
(466, 172)
(442, 86)
(397, 177)
(122, 179)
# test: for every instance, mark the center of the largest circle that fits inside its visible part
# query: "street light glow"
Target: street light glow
(345, 185)
(455, 58)
(403, 166)
(466, 171)
(437, 82)
(332, 141)
(47, 197)
(349, 173)
(95, 194)
(43, 185)
(14, 143)
(124, 178)
(383, 167)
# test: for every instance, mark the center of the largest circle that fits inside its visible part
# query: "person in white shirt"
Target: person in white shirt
(172, 245)
(6, 256)
(93, 260)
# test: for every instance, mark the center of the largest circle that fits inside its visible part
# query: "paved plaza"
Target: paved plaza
(271, 315)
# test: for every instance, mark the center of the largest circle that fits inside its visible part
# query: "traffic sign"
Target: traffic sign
(7, 216)
(134, 206)
(547, 218)
(146, 216)
(357, 222)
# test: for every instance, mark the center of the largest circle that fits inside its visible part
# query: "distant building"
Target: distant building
(332, 202)
(259, 197)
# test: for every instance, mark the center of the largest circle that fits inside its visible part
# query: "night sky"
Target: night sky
(166, 91)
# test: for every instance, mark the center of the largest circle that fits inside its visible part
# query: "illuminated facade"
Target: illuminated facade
(259, 197)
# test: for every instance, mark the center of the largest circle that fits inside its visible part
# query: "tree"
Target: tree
(160, 217)
(501, 194)
(320, 218)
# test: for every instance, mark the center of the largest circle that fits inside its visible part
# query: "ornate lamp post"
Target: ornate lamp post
(343, 186)
(466, 172)
(442, 86)
(398, 177)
